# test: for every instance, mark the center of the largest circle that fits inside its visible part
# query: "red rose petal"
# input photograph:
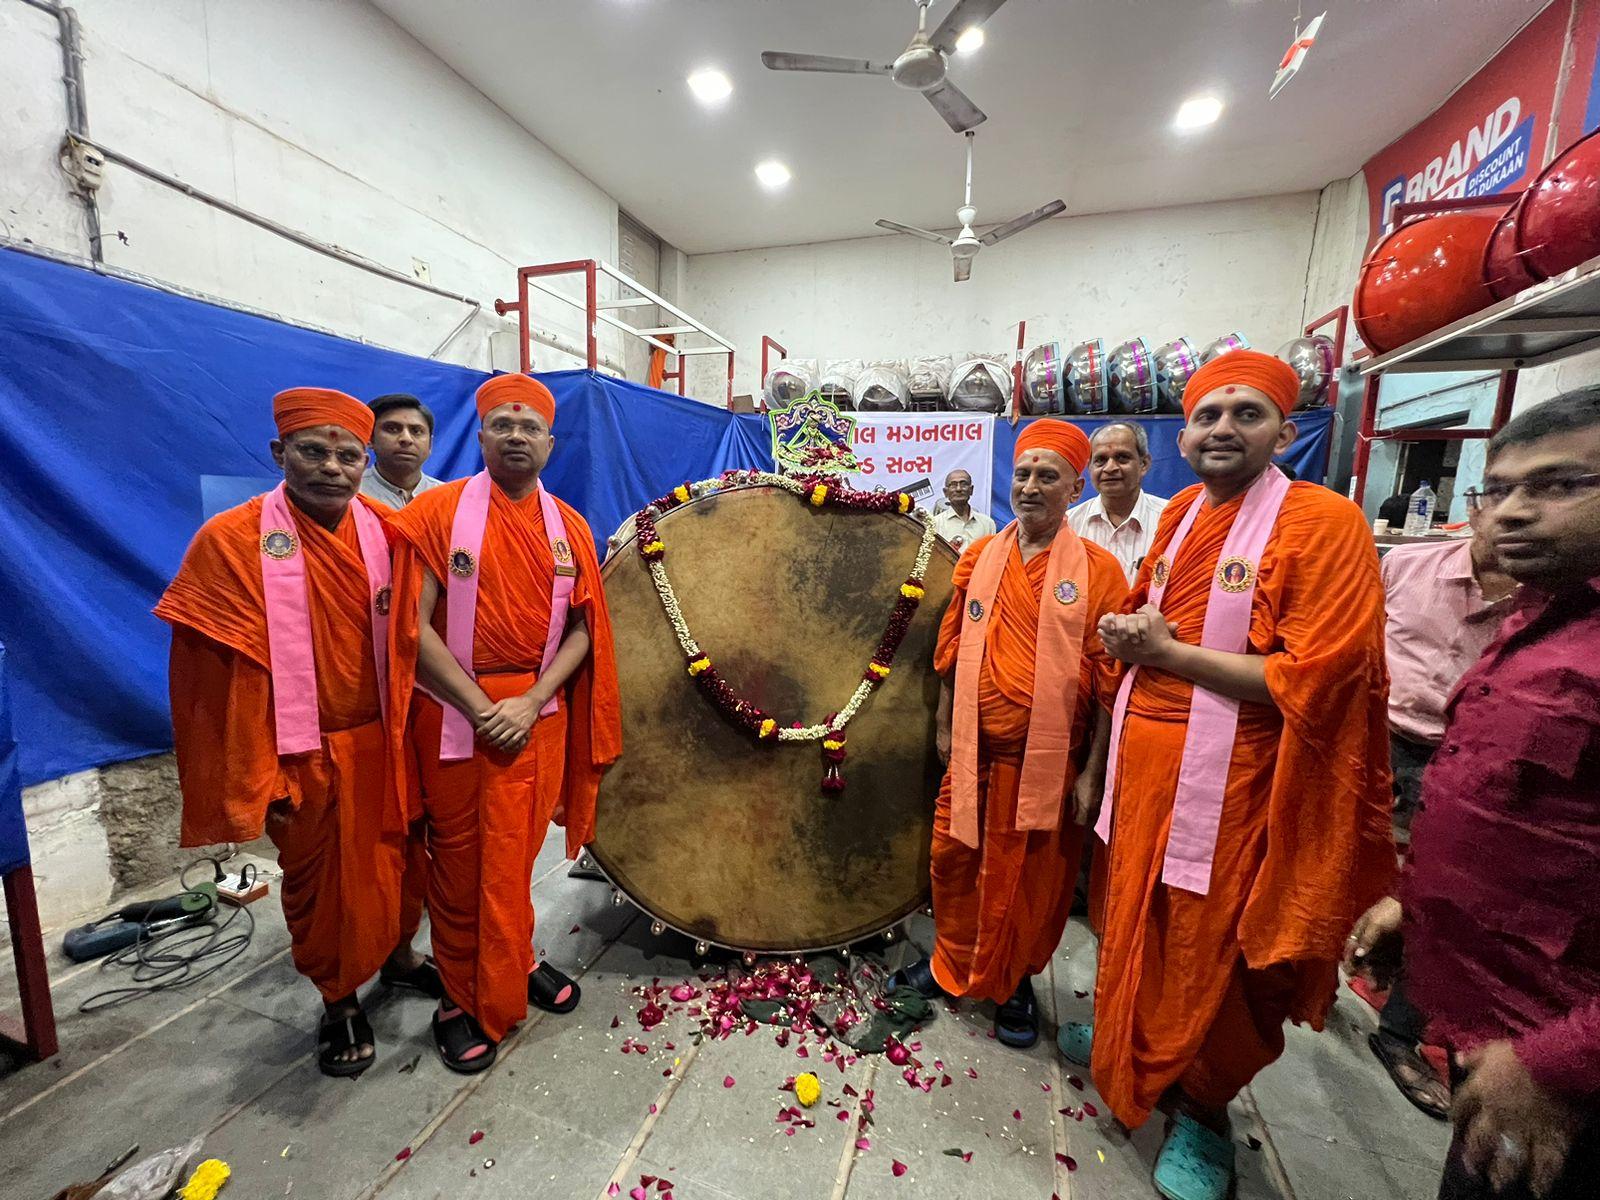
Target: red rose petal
(863, 1143)
(573, 930)
(1075, 1082)
(664, 1186)
(945, 1082)
(647, 1180)
(971, 1074)
(1090, 1109)
(403, 1155)
(652, 1109)
(850, 1091)
(1078, 994)
(477, 1136)
(1067, 1161)
(615, 1021)
(843, 1115)
(637, 1193)
(1044, 1087)
(727, 1081)
(614, 1190)
(1016, 1114)
(898, 1167)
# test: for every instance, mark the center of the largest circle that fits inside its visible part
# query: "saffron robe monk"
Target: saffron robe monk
(277, 714)
(498, 603)
(1022, 727)
(1248, 800)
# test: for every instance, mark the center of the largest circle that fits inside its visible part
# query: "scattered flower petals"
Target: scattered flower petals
(727, 1081)
(664, 1186)
(850, 1091)
(971, 1074)
(404, 1154)
(652, 1110)
(651, 1015)
(863, 1143)
(647, 1180)
(574, 930)
(615, 1021)
(898, 1167)
(477, 1136)
(1090, 1110)
(1075, 1082)
(615, 1189)
(683, 993)
(843, 1115)
(1044, 1087)
(945, 1082)
(637, 1193)
(1016, 1114)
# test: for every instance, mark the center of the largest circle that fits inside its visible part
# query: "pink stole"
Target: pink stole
(461, 592)
(1213, 719)
(1058, 655)
(283, 576)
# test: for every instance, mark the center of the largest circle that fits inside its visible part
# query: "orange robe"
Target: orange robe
(487, 816)
(999, 909)
(333, 814)
(1194, 990)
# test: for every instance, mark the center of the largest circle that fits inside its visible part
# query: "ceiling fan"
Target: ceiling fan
(920, 67)
(965, 245)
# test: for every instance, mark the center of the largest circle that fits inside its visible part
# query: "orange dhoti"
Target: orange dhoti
(1193, 990)
(333, 812)
(1000, 907)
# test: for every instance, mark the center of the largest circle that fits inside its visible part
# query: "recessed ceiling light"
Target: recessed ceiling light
(969, 41)
(710, 86)
(772, 174)
(1197, 112)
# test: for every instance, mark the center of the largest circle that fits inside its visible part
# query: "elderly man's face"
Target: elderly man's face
(322, 469)
(958, 488)
(1043, 486)
(1115, 465)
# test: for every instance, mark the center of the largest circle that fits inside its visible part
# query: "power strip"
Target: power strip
(231, 892)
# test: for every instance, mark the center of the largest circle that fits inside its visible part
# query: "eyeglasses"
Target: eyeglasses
(314, 456)
(1547, 489)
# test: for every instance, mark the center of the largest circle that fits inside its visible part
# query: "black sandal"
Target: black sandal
(919, 978)
(338, 1034)
(456, 1035)
(545, 983)
(1016, 1022)
(424, 978)
(1412, 1074)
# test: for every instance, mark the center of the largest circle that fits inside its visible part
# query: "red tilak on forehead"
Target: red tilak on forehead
(1231, 391)
(518, 407)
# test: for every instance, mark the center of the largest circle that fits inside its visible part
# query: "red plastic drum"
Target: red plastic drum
(1559, 222)
(1423, 276)
(1503, 267)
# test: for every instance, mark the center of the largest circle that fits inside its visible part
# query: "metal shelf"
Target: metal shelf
(1549, 321)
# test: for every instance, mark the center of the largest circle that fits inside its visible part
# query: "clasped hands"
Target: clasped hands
(506, 724)
(1144, 638)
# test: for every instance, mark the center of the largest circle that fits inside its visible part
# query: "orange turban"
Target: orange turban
(518, 389)
(1065, 438)
(1268, 374)
(301, 408)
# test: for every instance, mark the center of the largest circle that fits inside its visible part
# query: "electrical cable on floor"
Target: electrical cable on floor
(174, 953)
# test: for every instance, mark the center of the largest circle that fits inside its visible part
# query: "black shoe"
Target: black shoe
(545, 984)
(918, 977)
(1016, 1022)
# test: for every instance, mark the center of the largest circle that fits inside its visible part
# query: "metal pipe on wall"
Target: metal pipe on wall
(77, 109)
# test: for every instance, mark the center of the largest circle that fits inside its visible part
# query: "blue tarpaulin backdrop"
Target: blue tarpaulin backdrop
(127, 413)
(13, 833)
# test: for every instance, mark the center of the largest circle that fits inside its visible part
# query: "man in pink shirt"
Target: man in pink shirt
(1444, 605)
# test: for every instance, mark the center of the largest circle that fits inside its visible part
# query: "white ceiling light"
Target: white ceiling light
(772, 174)
(1197, 112)
(969, 41)
(710, 86)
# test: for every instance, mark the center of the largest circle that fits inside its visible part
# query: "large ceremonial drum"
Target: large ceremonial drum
(734, 843)
(1423, 276)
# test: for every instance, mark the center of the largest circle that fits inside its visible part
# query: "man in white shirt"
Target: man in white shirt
(402, 440)
(1122, 516)
(959, 524)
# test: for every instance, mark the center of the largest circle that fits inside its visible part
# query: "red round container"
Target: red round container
(1503, 267)
(1559, 225)
(1423, 276)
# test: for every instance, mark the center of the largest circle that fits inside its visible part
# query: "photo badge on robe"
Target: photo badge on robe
(561, 551)
(279, 544)
(462, 562)
(1235, 574)
(1066, 591)
(1160, 571)
(975, 610)
(380, 600)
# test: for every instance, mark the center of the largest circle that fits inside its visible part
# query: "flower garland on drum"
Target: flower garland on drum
(822, 491)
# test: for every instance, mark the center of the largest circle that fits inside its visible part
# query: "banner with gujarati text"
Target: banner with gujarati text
(914, 452)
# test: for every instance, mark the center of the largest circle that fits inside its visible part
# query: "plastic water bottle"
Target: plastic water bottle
(1419, 513)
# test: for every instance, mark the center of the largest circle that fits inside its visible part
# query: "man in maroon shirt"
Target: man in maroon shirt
(1502, 898)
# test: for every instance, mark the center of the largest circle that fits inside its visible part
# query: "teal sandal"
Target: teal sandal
(1195, 1163)
(1075, 1040)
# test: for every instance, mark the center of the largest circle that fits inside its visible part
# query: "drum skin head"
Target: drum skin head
(734, 843)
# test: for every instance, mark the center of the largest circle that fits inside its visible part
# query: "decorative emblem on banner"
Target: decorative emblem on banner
(462, 562)
(1235, 574)
(812, 437)
(975, 610)
(380, 601)
(1159, 572)
(1067, 591)
(279, 543)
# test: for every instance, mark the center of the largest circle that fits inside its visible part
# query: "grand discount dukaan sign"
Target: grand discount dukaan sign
(1488, 137)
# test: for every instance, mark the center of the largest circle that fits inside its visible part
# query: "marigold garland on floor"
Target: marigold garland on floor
(823, 492)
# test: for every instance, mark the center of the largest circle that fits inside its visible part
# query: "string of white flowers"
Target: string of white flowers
(691, 648)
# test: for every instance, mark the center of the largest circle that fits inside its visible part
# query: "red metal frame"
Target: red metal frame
(1016, 373)
(768, 343)
(523, 308)
(1340, 318)
(37, 1036)
(1370, 433)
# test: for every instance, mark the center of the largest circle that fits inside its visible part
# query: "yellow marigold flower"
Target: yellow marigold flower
(702, 663)
(911, 591)
(905, 502)
(878, 669)
(653, 547)
(768, 727)
(832, 745)
(206, 1181)
(819, 494)
(682, 493)
(807, 1089)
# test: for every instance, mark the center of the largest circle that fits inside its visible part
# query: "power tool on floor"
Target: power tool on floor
(143, 919)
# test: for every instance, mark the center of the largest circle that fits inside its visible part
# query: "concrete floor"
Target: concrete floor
(565, 1115)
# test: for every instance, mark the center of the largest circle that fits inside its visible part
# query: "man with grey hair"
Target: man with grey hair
(1122, 516)
(959, 523)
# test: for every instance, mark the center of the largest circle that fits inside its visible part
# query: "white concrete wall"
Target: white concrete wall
(1196, 271)
(321, 115)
